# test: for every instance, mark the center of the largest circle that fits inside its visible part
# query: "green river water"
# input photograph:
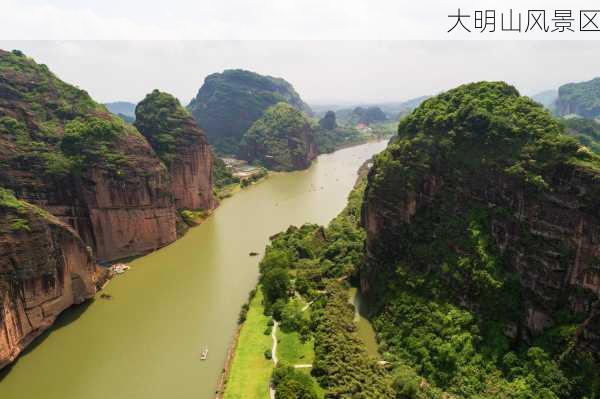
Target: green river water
(145, 343)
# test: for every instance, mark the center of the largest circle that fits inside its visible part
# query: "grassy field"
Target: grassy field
(292, 351)
(250, 371)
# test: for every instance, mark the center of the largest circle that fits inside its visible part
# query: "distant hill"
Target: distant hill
(581, 99)
(282, 139)
(393, 110)
(547, 98)
(587, 131)
(121, 107)
(229, 103)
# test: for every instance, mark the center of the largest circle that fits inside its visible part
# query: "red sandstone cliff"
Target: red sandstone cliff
(181, 144)
(45, 268)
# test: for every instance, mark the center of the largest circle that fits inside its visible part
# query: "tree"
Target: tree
(275, 284)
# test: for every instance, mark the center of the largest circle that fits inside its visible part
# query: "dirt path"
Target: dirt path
(274, 336)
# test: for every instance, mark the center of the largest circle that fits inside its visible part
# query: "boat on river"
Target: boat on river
(119, 268)
(204, 354)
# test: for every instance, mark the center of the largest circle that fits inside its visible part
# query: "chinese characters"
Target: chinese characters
(555, 21)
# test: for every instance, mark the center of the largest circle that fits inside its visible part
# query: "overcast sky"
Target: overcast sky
(321, 71)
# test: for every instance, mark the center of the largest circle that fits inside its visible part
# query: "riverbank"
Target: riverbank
(250, 369)
(256, 351)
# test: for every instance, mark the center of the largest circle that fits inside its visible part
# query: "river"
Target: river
(145, 343)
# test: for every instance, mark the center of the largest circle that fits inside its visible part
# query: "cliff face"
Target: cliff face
(44, 268)
(582, 99)
(62, 151)
(229, 103)
(182, 146)
(490, 201)
(282, 139)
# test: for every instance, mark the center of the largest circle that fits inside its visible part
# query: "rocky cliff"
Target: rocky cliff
(229, 103)
(64, 152)
(182, 146)
(44, 268)
(582, 99)
(282, 139)
(482, 202)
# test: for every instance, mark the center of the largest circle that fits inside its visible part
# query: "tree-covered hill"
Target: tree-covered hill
(229, 103)
(483, 224)
(582, 99)
(282, 139)
(587, 131)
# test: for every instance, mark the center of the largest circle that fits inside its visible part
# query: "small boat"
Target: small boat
(204, 354)
(119, 268)
(253, 254)
(105, 296)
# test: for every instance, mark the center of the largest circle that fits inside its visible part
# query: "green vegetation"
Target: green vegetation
(448, 295)
(293, 348)
(328, 121)
(193, 217)
(292, 384)
(510, 134)
(15, 209)
(250, 370)
(244, 94)
(328, 141)
(582, 99)
(222, 175)
(247, 181)
(309, 262)
(88, 141)
(60, 130)
(346, 135)
(8, 201)
(367, 115)
(281, 139)
(161, 119)
(586, 131)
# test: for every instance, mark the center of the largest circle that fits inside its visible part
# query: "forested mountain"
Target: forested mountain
(547, 98)
(121, 108)
(181, 145)
(587, 131)
(581, 99)
(282, 139)
(229, 103)
(482, 227)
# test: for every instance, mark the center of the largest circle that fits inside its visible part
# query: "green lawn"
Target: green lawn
(250, 371)
(292, 351)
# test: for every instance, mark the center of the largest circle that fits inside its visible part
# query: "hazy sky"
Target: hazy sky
(321, 71)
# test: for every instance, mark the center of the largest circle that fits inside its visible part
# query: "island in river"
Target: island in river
(146, 341)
